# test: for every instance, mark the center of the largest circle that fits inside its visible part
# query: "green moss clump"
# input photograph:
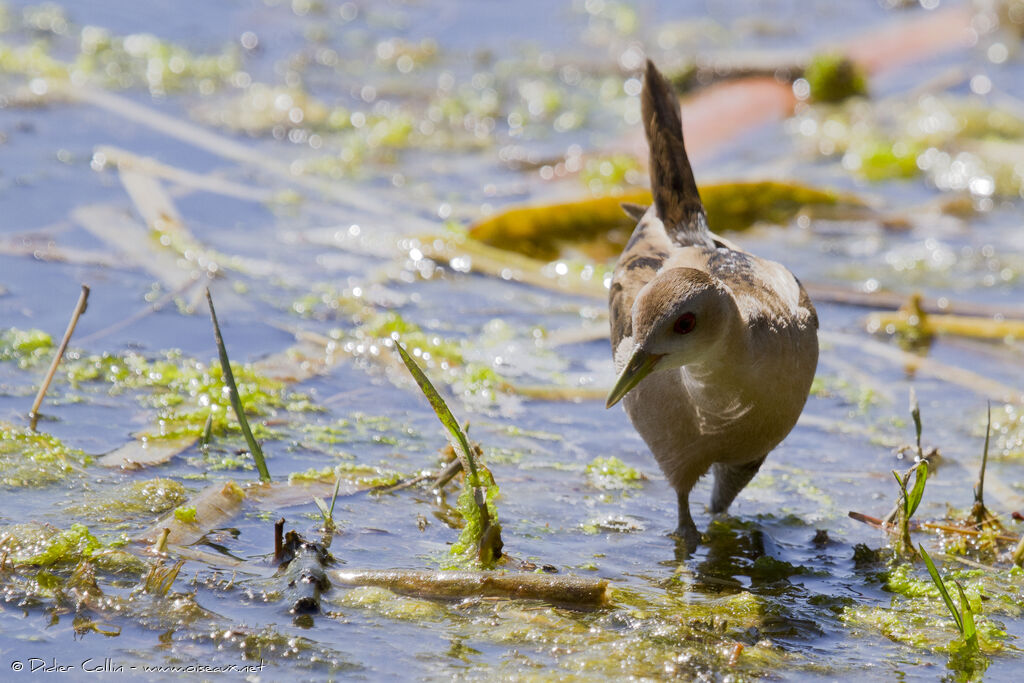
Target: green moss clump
(884, 160)
(43, 545)
(185, 515)
(137, 498)
(466, 548)
(143, 59)
(482, 381)
(918, 617)
(363, 476)
(26, 347)
(434, 347)
(833, 78)
(604, 175)
(608, 473)
(387, 604)
(185, 391)
(30, 458)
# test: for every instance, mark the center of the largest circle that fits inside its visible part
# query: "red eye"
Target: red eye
(685, 323)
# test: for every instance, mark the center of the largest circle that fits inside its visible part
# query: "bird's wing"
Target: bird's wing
(765, 291)
(645, 253)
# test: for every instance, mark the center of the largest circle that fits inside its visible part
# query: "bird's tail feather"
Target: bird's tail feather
(672, 184)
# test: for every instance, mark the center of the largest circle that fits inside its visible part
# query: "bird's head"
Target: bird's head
(680, 317)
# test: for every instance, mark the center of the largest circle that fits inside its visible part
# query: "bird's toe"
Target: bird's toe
(687, 536)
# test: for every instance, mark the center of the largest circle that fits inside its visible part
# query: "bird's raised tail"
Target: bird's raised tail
(672, 184)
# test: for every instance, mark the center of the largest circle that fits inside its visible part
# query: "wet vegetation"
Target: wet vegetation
(389, 204)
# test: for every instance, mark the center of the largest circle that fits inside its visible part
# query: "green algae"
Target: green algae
(466, 550)
(142, 59)
(387, 604)
(39, 545)
(834, 78)
(878, 159)
(612, 523)
(959, 143)
(185, 514)
(120, 62)
(482, 381)
(27, 348)
(599, 227)
(384, 325)
(34, 459)
(606, 174)
(363, 476)
(358, 429)
(917, 615)
(184, 391)
(133, 499)
(610, 473)
(644, 634)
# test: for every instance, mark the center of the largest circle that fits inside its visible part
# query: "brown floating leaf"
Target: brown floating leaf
(124, 234)
(279, 494)
(146, 453)
(215, 506)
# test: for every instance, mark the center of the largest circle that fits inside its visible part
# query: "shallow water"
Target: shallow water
(836, 460)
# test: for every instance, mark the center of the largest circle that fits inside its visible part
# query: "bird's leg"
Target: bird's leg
(729, 481)
(687, 530)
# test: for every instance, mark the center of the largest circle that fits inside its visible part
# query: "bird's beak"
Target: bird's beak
(639, 366)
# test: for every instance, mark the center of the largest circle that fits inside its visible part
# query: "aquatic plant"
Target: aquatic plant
(833, 78)
(482, 532)
(236, 402)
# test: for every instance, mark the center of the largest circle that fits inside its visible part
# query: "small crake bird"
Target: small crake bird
(716, 348)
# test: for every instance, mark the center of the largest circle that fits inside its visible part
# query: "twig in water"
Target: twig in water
(979, 512)
(236, 400)
(447, 474)
(83, 302)
(867, 519)
(161, 542)
(573, 591)
(440, 479)
(278, 539)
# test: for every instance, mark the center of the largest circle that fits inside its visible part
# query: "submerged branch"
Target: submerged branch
(572, 591)
(83, 302)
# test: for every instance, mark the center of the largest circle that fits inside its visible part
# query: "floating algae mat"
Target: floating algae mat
(600, 227)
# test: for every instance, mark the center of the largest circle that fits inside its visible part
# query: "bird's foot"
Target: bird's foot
(687, 539)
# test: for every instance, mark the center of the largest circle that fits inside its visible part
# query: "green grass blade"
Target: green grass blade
(334, 498)
(915, 412)
(236, 400)
(204, 440)
(456, 435)
(970, 632)
(916, 493)
(903, 492)
(937, 580)
(979, 492)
